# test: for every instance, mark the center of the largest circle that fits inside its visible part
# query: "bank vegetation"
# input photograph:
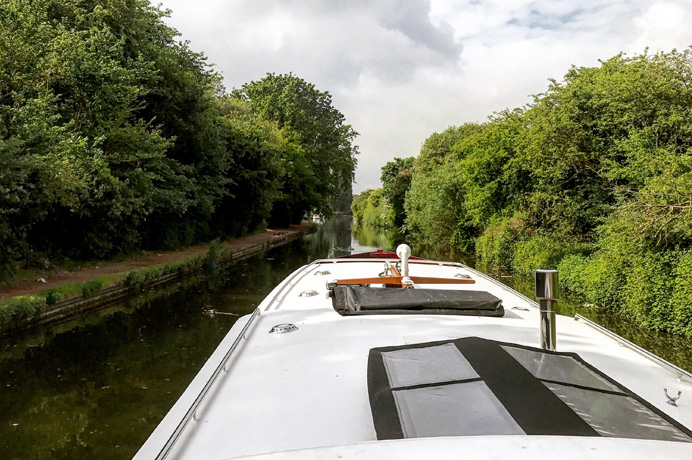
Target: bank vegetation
(115, 136)
(593, 177)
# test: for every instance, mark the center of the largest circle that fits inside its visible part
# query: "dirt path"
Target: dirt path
(55, 278)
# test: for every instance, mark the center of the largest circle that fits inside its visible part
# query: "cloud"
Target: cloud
(663, 26)
(328, 42)
(414, 22)
(400, 71)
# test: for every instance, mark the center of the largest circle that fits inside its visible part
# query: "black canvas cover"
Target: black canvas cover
(364, 300)
(474, 386)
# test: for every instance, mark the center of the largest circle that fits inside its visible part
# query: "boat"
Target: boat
(385, 355)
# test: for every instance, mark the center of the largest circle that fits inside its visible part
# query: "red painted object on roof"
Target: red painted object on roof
(379, 254)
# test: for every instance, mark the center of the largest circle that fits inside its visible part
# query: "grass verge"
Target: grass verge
(16, 310)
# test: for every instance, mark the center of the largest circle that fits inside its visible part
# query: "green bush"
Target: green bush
(544, 251)
(52, 297)
(214, 253)
(573, 269)
(605, 155)
(681, 297)
(29, 306)
(599, 277)
(647, 290)
(5, 314)
(90, 288)
(134, 279)
(653, 288)
(496, 246)
(22, 307)
(434, 208)
(537, 252)
(358, 205)
(376, 209)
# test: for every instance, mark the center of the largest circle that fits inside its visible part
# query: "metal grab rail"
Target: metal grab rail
(681, 374)
(192, 411)
(289, 283)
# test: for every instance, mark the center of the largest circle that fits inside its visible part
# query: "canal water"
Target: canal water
(97, 386)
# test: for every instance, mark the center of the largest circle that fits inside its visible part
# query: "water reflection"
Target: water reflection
(366, 238)
(332, 238)
(96, 387)
(373, 237)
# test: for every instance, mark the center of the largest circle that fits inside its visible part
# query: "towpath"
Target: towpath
(49, 279)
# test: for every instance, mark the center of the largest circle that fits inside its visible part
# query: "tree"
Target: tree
(396, 180)
(71, 102)
(116, 136)
(321, 154)
(435, 208)
(359, 204)
(594, 176)
(495, 180)
(253, 147)
(437, 148)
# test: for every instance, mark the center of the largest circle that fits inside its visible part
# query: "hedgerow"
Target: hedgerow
(594, 178)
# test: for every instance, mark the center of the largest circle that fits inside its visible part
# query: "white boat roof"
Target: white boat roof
(303, 394)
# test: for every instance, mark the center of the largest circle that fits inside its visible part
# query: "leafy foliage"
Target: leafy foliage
(370, 208)
(116, 136)
(358, 205)
(320, 157)
(497, 245)
(593, 177)
(435, 206)
(396, 181)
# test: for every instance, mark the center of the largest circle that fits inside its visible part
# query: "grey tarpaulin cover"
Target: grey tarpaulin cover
(474, 386)
(363, 300)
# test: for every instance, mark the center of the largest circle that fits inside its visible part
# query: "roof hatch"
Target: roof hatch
(474, 386)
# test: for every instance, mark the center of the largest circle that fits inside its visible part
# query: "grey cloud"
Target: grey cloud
(387, 39)
(410, 17)
(539, 20)
(569, 17)
(414, 22)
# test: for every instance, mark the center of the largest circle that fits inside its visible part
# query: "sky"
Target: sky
(402, 70)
